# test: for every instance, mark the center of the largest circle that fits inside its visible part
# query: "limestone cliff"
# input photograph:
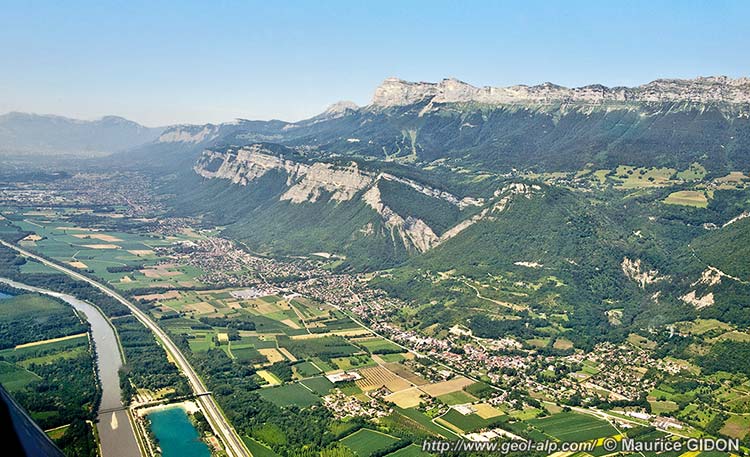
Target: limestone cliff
(715, 89)
(310, 182)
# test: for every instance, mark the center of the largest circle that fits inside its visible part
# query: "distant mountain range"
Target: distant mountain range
(34, 134)
(544, 126)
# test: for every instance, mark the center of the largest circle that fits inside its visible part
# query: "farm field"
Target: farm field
(456, 398)
(447, 387)
(377, 377)
(736, 426)
(269, 377)
(421, 419)
(320, 385)
(325, 347)
(571, 425)
(258, 449)
(409, 451)
(407, 398)
(365, 442)
(28, 318)
(378, 345)
(687, 198)
(392, 358)
(49, 375)
(306, 369)
(352, 362)
(15, 378)
(466, 423)
(96, 250)
(290, 394)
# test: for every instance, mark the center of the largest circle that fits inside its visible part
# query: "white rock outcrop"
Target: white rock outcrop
(397, 92)
(634, 270)
(413, 230)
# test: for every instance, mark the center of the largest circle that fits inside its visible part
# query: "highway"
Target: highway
(232, 442)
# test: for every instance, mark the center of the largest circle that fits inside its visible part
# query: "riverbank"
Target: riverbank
(114, 426)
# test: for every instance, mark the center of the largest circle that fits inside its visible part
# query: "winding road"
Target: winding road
(232, 442)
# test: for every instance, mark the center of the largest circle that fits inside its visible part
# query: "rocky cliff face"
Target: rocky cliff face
(326, 183)
(306, 182)
(719, 89)
(310, 182)
(189, 134)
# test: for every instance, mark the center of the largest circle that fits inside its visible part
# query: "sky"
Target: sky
(162, 62)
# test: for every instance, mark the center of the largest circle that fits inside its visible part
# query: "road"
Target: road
(232, 442)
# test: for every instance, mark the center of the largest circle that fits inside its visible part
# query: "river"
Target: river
(114, 426)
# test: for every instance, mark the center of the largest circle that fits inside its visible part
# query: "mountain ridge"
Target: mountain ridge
(712, 89)
(48, 134)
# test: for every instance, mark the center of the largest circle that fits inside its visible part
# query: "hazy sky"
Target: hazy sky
(160, 62)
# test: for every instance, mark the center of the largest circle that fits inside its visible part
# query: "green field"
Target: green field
(630, 177)
(326, 347)
(26, 304)
(290, 394)
(306, 369)
(378, 345)
(570, 426)
(736, 427)
(687, 198)
(354, 361)
(409, 451)
(257, 449)
(456, 398)
(258, 342)
(39, 350)
(308, 308)
(15, 378)
(392, 358)
(320, 385)
(201, 342)
(248, 354)
(365, 442)
(469, 422)
(419, 417)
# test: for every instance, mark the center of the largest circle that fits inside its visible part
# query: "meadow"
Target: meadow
(693, 198)
(290, 394)
(567, 426)
(365, 442)
(466, 423)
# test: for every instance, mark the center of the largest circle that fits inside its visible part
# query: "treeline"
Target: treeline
(730, 356)
(124, 268)
(146, 363)
(238, 323)
(486, 327)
